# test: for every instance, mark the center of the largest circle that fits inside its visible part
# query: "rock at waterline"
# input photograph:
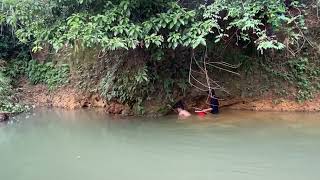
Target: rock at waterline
(3, 117)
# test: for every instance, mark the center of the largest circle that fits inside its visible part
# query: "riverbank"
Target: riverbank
(68, 97)
(277, 104)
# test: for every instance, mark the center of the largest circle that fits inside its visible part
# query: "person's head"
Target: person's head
(211, 92)
(178, 106)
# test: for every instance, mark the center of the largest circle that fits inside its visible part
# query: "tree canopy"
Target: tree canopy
(128, 24)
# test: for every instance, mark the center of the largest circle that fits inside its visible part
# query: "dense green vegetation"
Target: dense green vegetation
(120, 24)
(7, 101)
(299, 72)
(158, 28)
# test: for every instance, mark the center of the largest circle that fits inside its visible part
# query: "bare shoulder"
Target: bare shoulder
(184, 113)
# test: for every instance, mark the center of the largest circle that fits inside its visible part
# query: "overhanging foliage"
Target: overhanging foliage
(129, 24)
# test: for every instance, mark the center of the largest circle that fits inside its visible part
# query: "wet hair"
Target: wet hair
(179, 104)
(213, 93)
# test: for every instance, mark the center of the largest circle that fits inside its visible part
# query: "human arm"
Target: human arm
(204, 110)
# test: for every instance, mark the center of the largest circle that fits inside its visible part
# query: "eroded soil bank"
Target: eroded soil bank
(70, 98)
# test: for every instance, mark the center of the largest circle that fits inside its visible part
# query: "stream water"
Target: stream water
(89, 145)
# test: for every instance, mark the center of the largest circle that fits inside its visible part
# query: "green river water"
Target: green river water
(90, 145)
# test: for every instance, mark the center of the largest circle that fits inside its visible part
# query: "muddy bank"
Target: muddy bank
(70, 98)
(67, 97)
(277, 104)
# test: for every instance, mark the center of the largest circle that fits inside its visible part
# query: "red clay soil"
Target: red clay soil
(69, 98)
(269, 104)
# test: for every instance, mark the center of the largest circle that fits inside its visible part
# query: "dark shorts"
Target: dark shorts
(214, 103)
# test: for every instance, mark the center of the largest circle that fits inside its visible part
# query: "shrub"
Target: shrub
(52, 75)
(7, 103)
(128, 87)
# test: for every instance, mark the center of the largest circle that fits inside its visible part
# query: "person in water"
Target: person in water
(214, 104)
(180, 109)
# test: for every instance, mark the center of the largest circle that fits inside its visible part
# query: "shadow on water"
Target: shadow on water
(87, 144)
